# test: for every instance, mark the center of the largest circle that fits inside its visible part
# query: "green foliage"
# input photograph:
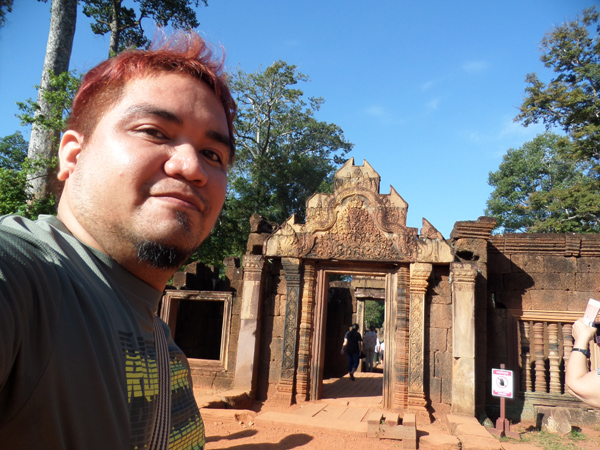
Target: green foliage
(538, 188)
(13, 151)
(15, 171)
(374, 313)
(5, 8)
(125, 23)
(284, 155)
(59, 97)
(571, 100)
(552, 184)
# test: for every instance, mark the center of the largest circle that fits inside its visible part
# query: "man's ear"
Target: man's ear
(71, 146)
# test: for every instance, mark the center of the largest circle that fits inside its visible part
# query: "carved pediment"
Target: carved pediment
(356, 222)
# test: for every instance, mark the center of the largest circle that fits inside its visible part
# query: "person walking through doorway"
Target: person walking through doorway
(352, 347)
(370, 343)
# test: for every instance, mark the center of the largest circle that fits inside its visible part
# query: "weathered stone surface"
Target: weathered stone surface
(438, 339)
(236, 399)
(440, 316)
(438, 441)
(549, 300)
(553, 281)
(443, 365)
(587, 282)
(463, 386)
(278, 325)
(435, 389)
(519, 281)
(588, 265)
(555, 420)
(578, 300)
(499, 263)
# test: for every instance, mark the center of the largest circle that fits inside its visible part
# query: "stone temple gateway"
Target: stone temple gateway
(454, 308)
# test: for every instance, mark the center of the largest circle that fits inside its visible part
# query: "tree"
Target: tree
(571, 100)
(43, 141)
(374, 313)
(538, 188)
(125, 24)
(5, 8)
(15, 170)
(284, 155)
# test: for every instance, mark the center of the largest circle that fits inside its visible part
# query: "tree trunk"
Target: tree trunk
(43, 143)
(115, 29)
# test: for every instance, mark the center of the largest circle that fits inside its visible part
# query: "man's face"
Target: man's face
(154, 173)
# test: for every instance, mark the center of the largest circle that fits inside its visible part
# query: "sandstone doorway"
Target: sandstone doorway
(346, 296)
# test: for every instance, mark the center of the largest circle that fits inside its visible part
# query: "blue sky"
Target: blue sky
(427, 91)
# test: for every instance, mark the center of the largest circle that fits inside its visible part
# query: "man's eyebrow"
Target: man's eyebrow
(153, 111)
(219, 138)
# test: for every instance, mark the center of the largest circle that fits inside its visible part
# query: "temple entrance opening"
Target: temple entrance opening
(352, 298)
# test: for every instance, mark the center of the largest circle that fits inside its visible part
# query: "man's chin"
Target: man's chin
(158, 255)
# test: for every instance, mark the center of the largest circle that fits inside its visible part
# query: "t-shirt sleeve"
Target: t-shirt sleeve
(25, 278)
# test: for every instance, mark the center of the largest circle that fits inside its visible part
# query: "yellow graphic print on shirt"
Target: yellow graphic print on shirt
(187, 428)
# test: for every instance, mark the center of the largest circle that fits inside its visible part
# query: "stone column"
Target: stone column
(419, 276)
(401, 340)
(463, 338)
(285, 387)
(246, 366)
(308, 302)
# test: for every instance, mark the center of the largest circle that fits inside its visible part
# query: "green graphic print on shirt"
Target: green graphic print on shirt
(187, 428)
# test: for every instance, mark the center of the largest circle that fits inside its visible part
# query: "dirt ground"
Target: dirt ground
(243, 433)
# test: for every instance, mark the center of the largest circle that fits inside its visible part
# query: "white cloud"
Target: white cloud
(427, 85)
(376, 111)
(474, 66)
(433, 104)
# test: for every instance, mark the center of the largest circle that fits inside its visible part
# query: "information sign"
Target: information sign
(502, 383)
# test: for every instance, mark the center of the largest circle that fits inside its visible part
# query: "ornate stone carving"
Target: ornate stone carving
(419, 276)
(429, 231)
(308, 301)
(356, 222)
(288, 360)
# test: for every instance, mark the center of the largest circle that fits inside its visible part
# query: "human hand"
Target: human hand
(582, 334)
(341, 351)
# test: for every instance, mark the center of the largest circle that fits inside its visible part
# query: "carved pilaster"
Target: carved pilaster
(419, 276)
(463, 338)
(246, 366)
(285, 388)
(400, 346)
(308, 302)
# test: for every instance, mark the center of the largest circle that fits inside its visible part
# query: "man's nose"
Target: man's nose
(185, 162)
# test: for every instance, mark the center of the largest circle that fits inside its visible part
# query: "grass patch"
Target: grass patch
(550, 441)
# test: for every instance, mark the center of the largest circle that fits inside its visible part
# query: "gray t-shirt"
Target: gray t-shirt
(77, 353)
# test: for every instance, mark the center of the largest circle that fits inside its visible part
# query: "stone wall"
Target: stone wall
(553, 272)
(271, 333)
(536, 275)
(438, 340)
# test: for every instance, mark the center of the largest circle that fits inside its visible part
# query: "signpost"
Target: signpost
(502, 386)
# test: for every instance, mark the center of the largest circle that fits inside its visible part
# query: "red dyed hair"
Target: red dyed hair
(184, 53)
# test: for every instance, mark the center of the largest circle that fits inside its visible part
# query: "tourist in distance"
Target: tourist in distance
(582, 382)
(370, 342)
(352, 347)
(84, 362)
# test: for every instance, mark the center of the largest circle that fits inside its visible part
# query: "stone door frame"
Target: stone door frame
(322, 272)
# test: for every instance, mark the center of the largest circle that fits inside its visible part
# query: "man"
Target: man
(580, 381)
(370, 342)
(352, 346)
(144, 162)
